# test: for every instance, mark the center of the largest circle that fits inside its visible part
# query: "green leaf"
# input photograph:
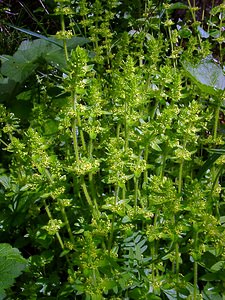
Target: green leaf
(184, 32)
(203, 33)
(217, 266)
(11, 266)
(222, 220)
(206, 74)
(72, 42)
(8, 88)
(155, 146)
(178, 5)
(126, 219)
(24, 96)
(210, 292)
(208, 260)
(215, 276)
(208, 164)
(31, 54)
(18, 70)
(5, 181)
(108, 284)
(50, 127)
(171, 294)
(218, 151)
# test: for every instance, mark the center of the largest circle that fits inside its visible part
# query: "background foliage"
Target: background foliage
(112, 134)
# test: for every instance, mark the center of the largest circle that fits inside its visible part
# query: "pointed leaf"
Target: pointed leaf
(5, 181)
(207, 165)
(220, 151)
(40, 36)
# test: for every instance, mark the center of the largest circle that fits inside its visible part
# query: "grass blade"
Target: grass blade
(40, 36)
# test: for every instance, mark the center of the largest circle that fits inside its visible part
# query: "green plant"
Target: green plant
(11, 266)
(108, 189)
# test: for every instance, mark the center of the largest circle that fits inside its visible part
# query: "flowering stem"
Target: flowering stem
(50, 218)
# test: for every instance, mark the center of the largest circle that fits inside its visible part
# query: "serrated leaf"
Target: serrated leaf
(11, 266)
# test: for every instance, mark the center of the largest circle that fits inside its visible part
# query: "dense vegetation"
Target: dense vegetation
(112, 150)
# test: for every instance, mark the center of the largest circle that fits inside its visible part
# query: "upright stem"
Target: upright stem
(214, 172)
(177, 254)
(118, 130)
(126, 127)
(66, 221)
(135, 193)
(90, 175)
(62, 209)
(217, 113)
(194, 19)
(220, 44)
(154, 252)
(50, 218)
(87, 196)
(180, 182)
(195, 266)
(74, 129)
(146, 159)
(113, 219)
(81, 132)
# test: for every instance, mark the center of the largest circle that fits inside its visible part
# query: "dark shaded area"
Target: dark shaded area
(36, 16)
(203, 12)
